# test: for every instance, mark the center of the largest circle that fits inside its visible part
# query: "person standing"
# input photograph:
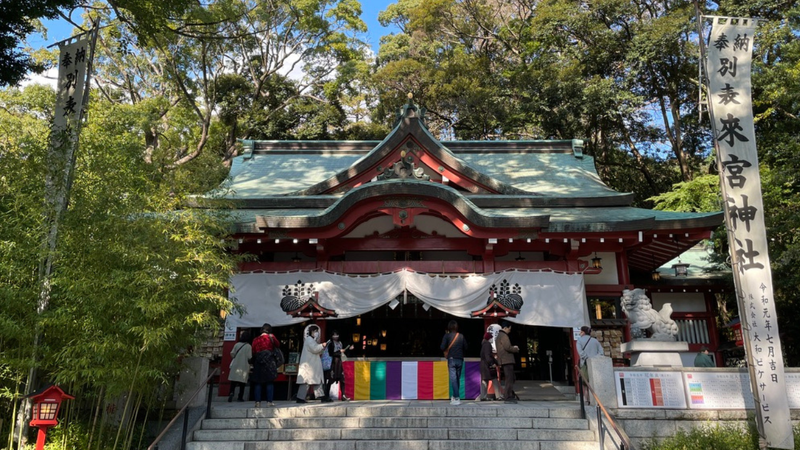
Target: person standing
(336, 372)
(505, 356)
(309, 372)
(241, 355)
(494, 329)
(588, 347)
(488, 366)
(454, 346)
(265, 368)
(703, 359)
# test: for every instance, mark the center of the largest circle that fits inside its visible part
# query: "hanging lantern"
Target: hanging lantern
(597, 262)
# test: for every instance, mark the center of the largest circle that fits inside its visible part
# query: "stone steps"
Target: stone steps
(396, 422)
(399, 426)
(391, 434)
(395, 445)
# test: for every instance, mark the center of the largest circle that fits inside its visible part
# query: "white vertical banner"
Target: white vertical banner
(74, 63)
(729, 94)
(73, 70)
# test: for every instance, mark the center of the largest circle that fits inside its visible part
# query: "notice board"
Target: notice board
(649, 389)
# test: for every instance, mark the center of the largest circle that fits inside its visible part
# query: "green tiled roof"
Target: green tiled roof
(548, 184)
(277, 173)
(547, 174)
(264, 174)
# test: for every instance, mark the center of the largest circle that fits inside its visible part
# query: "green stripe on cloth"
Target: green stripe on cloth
(377, 386)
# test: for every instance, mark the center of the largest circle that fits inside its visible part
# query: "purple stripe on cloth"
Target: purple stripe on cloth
(472, 375)
(394, 380)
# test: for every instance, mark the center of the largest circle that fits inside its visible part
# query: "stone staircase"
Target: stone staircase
(396, 425)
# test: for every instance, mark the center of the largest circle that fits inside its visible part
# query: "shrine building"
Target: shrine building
(387, 241)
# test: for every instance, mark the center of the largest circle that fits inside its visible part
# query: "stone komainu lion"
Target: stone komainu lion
(641, 315)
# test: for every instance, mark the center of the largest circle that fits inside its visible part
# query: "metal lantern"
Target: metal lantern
(597, 262)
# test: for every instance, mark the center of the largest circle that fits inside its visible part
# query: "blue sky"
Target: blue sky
(58, 30)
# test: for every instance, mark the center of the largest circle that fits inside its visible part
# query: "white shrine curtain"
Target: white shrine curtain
(548, 298)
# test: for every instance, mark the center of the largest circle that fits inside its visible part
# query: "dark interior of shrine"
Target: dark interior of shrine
(411, 331)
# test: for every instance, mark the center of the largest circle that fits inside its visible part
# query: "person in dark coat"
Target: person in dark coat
(488, 365)
(336, 372)
(454, 346)
(265, 368)
(505, 356)
(703, 359)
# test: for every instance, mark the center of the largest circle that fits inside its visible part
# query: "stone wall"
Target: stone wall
(212, 348)
(643, 425)
(646, 425)
(610, 339)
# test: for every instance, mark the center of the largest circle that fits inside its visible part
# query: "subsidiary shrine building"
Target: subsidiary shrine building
(388, 241)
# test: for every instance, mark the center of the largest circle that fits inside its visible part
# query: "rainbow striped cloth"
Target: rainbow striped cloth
(407, 380)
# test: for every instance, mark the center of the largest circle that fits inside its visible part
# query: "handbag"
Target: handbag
(277, 354)
(326, 360)
(334, 393)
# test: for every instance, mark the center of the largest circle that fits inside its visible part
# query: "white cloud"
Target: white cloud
(48, 78)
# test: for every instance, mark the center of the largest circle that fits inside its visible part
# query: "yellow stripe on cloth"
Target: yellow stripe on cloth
(441, 381)
(361, 370)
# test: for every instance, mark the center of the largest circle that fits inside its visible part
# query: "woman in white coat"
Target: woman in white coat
(309, 373)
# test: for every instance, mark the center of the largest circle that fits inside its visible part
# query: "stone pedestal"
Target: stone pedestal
(650, 353)
(193, 374)
(601, 374)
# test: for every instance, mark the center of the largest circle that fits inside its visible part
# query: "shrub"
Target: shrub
(711, 437)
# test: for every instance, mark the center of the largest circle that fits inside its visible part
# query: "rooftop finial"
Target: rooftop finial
(411, 110)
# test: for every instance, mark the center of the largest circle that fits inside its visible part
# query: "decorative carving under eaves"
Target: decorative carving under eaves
(278, 234)
(405, 168)
(403, 203)
(406, 233)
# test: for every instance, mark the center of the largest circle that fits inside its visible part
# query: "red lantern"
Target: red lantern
(46, 404)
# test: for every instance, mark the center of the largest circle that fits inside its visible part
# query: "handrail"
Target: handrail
(625, 441)
(154, 445)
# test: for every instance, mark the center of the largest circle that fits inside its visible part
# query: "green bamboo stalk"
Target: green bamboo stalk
(144, 426)
(14, 412)
(128, 399)
(132, 426)
(96, 413)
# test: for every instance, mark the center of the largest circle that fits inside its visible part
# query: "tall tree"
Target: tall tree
(260, 65)
(617, 73)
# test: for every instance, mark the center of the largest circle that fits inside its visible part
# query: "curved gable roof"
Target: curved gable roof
(516, 173)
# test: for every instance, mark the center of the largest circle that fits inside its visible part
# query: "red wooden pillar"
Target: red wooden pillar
(624, 277)
(575, 360)
(713, 333)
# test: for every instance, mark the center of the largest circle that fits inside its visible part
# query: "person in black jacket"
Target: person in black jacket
(488, 366)
(454, 346)
(336, 372)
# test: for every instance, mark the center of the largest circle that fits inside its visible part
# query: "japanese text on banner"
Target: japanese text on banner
(729, 61)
